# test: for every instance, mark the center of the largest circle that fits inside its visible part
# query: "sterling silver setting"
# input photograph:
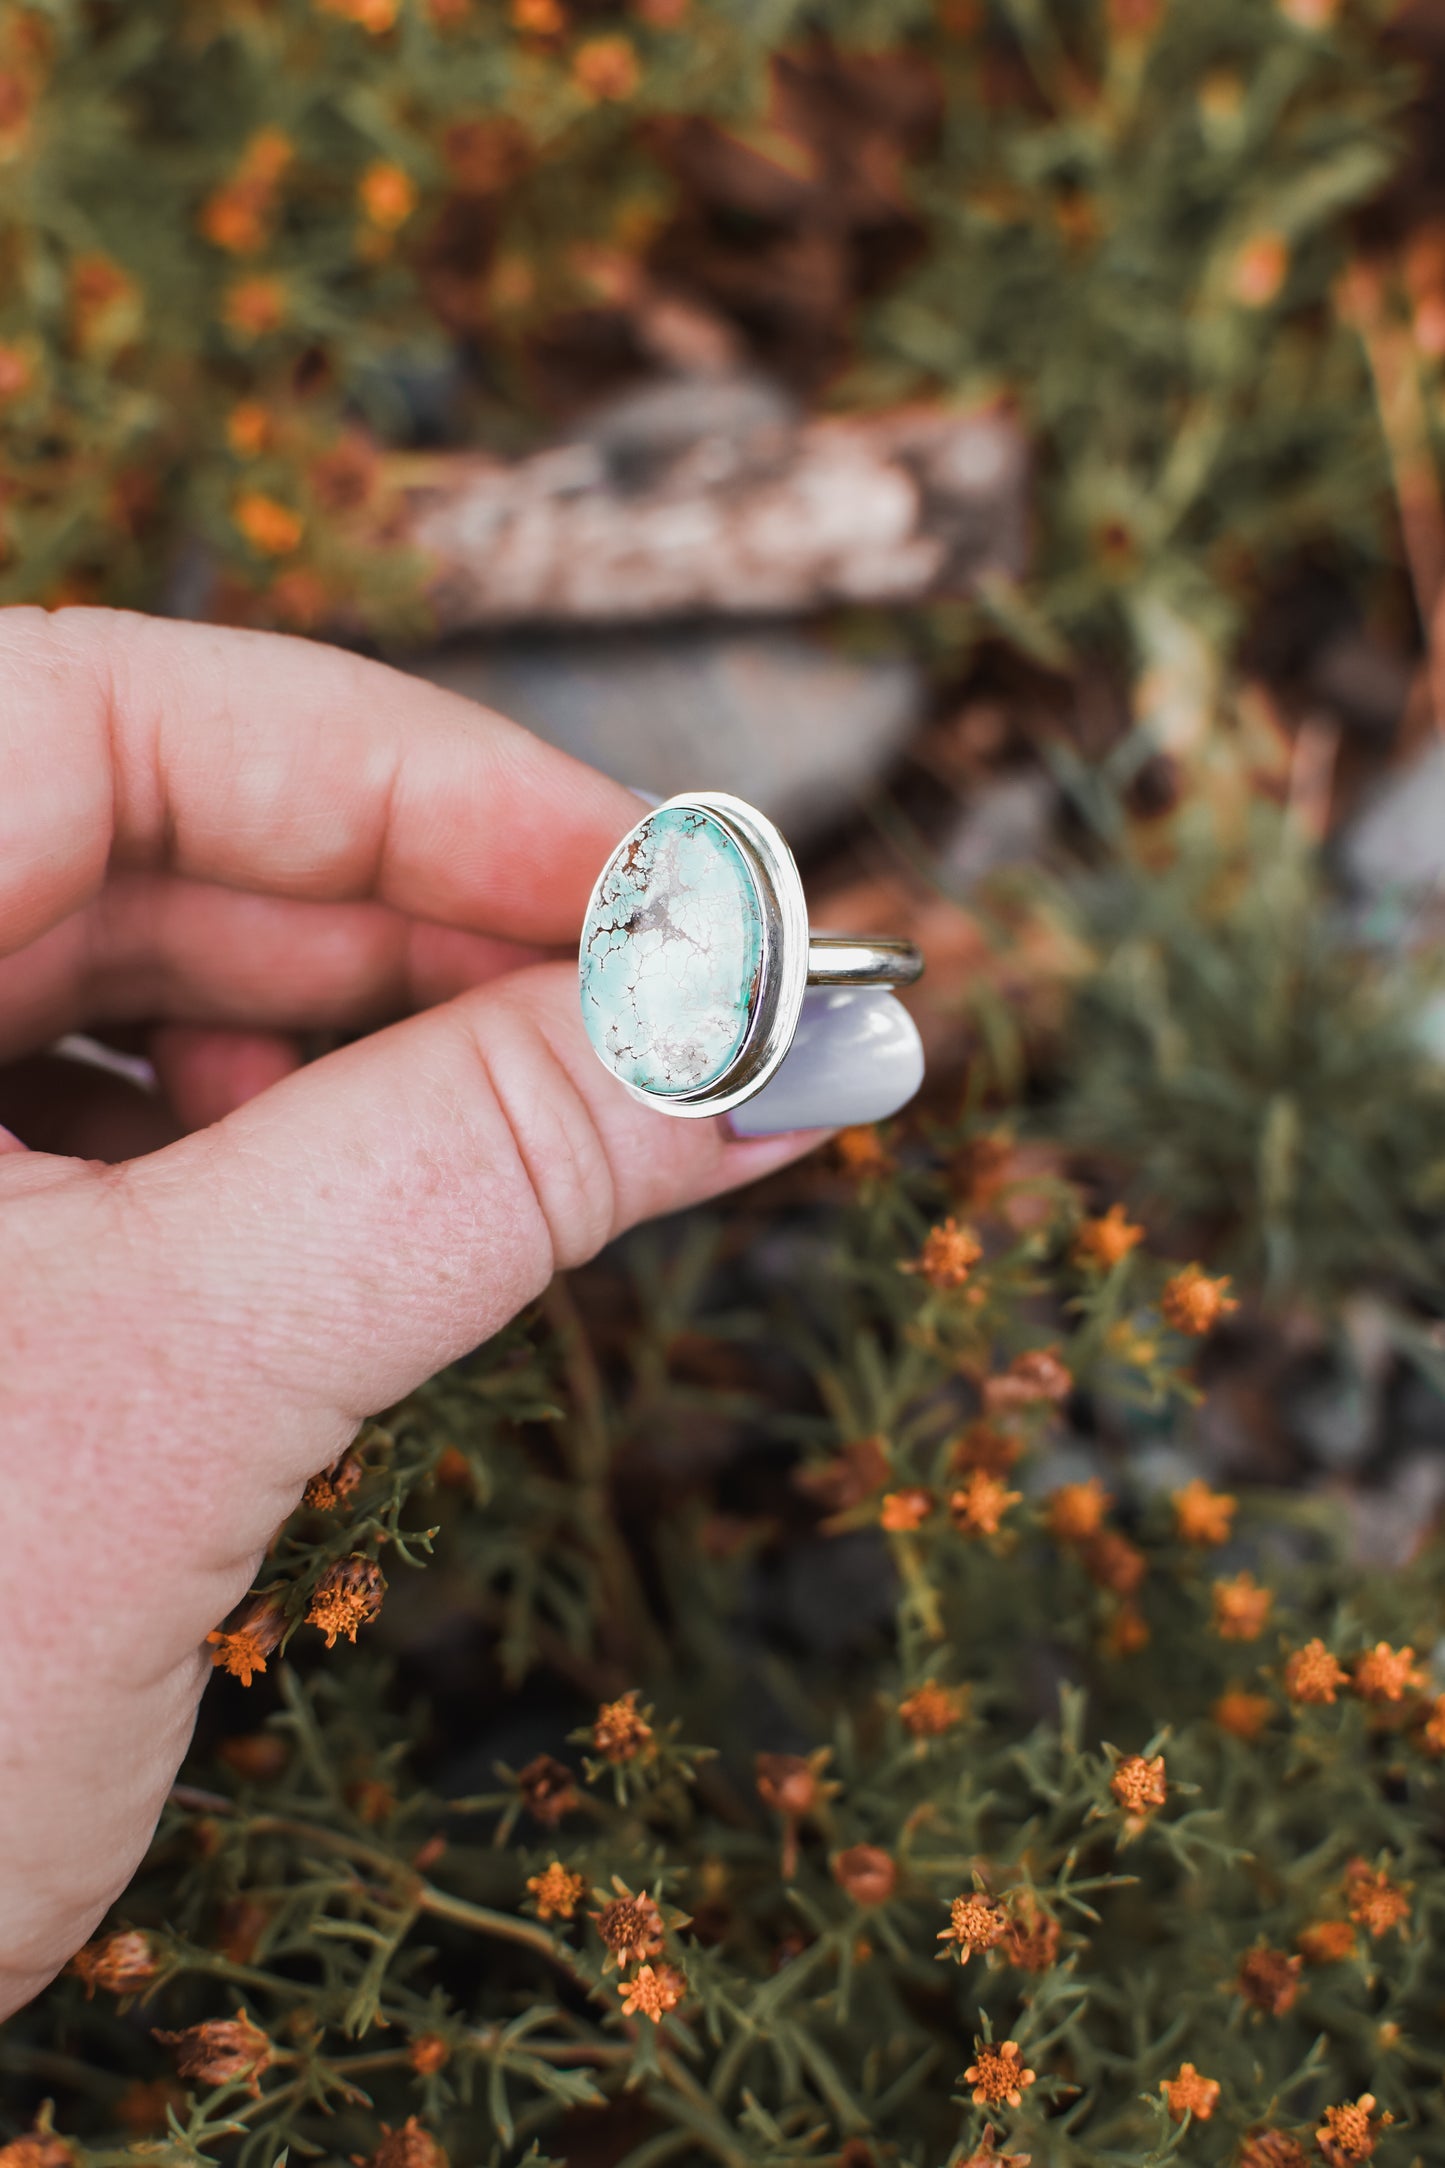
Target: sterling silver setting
(791, 958)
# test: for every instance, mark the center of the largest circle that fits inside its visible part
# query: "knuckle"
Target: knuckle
(562, 1151)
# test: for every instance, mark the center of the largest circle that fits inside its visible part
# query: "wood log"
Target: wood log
(772, 516)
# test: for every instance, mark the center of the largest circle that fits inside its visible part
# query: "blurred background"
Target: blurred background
(999, 437)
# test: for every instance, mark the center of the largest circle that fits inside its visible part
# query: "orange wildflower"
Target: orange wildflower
(15, 371)
(1326, 1942)
(1386, 1674)
(974, 1923)
(861, 1152)
(620, 1734)
(1139, 1786)
(1193, 1303)
(630, 1926)
(867, 1873)
(347, 1596)
(1203, 1516)
(538, 18)
(931, 1710)
(948, 1255)
(121, 1963)
(1349, 2133)
(1113, 1562)
(428, 2054)
(38, 2149)
(1241, 1608)
(1191, 2094)
(409, 2147)
(1107, 1241)
(1128, 1631)
(980, 1503)
(1373, 1901)
(242, 1649)
(1031, 1379)
(557, 1891)
(255, 306)
(1259, 270)
(248, 428)
(997, 2075)
(388, 195)
(1031, 1938)
(1312, 1675)
(606, 67)
(547, 1790)
(904, 1510)
(1075, 1511)
(377, 16)
(222, 2051)
(1269, 1980)
(1242, 1714)
(1432, 1731)
(270, 527)
(1272, 2149)
(655, 1990)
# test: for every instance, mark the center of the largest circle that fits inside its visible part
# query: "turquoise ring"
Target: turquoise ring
(696, 956)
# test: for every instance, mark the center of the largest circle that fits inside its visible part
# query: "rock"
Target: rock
(773, 714)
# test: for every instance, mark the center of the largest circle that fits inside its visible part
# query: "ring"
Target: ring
(696, 955)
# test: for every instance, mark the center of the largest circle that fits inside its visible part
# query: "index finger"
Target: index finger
(263, 762)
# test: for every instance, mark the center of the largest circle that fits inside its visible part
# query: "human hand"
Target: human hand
(230, 837)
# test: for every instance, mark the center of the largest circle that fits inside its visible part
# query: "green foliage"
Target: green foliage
(361, 1874)
(235, 229)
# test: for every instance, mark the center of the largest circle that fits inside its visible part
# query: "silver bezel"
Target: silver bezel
(783, 964)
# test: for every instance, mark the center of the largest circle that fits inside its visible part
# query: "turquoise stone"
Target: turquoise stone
(671, 954)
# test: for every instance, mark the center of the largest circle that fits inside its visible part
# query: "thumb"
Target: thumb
(374, 1216)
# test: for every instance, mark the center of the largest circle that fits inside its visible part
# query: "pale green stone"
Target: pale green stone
(671, 954)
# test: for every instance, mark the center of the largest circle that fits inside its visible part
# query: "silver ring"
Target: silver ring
(696, 955)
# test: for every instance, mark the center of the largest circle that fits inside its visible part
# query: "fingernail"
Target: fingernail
(856, 1057)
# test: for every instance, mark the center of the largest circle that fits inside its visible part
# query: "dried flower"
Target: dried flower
(1432, 1732)
(988, 2154)
(240, 1925)
(1243, 1714)
(901, 1511)
(975, 1923)
(980, 1503)
(867, 1873)
(1075, 1511)
(850, 1476)
(606, 67)
(558, 1891)
(861, 1153)
(1326, 1942)
(409, 2147)
(630, 1926)
(39, 2149)
(547, 1789)
(1139, 1786)
(270, 527)
(258, 1756)
(428, 2054)
(987, 1446)
(242, 1649)
(1349, 2133)
(1127, 1631)
(1032, 1379)
(1107, 1241)
(122, 1963)
(620, 1734)
(248, 432)
(377, 16)
(1386, 1674)
(388, 195)
(654, 1991)
(1191, 2094)
(1259, 270)
(1203, 1516)
(1241, 1608)
(1272, 2149)
(948, 1255)
(1113, 1562)
(996, 2075)
(347, 1596)
(1269, 1980)
(1193, 1303)
(253, 307)
(931, 1710)
(1312, 1675)
(1031, 1938)
(1373, 1901)
(15, 371)
(792, 1784)
(222, 2051)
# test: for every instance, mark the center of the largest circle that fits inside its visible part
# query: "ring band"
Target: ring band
(696, 955)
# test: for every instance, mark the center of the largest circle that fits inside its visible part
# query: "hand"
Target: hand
(244, 837)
